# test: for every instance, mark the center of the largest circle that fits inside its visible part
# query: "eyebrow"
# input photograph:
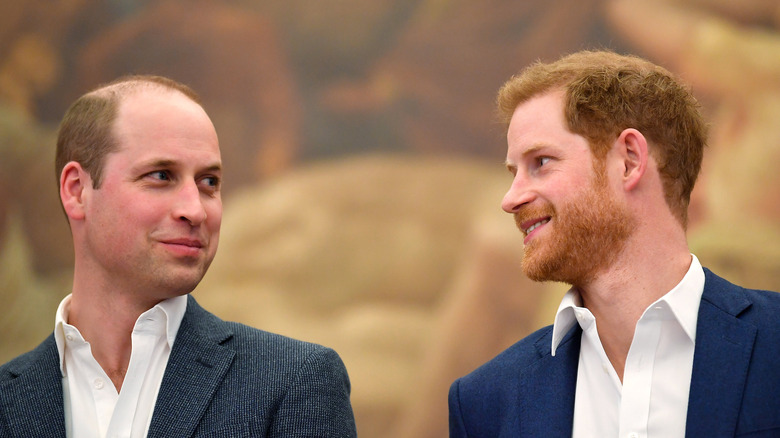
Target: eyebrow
(216, 167)
(530, 151)
(536, 148)
(158, 163)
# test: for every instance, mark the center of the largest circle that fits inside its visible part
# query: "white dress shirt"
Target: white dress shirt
(652, 401)
(93, 408)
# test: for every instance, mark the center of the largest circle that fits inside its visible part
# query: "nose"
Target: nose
(518, 195)
(188, 205)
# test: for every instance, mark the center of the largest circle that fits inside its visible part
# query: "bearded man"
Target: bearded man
(604, 150)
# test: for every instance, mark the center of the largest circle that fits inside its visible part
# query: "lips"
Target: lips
(192, 243)
(184, 247)
(530, 219)
(536, 225)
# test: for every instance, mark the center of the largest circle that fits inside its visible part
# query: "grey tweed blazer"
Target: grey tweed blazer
(223, 379)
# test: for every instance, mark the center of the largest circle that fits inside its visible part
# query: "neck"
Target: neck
(646, 270)
(106, 317)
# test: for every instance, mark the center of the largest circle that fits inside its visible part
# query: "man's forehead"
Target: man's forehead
(165, 128)
(147, 110)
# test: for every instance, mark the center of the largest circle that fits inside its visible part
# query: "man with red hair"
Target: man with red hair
(604, 151)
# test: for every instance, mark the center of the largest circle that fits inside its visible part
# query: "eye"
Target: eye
(211, 182)
(161, 175)
(541, 161)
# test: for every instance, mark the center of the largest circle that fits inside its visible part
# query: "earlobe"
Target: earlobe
(73, 181)
(633, 150)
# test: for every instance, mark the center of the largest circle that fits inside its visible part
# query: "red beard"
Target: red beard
(585, 237)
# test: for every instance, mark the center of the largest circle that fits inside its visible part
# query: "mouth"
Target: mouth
(529, 226)
(191, 243)
(535, 226)
(186, 247)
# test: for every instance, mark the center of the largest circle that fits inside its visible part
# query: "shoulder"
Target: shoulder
(253, 345)
(756, 306)
(282, 354)
(524, 367)
(497, 382)
(44, 352)
(524, 385)
(302, 388)
(737, 346)
(732, 315)
(524, 354)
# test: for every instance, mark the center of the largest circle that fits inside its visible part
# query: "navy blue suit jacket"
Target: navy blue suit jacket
(735, 382)
(223, 379)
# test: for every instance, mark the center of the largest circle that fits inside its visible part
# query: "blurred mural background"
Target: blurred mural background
(365, 168)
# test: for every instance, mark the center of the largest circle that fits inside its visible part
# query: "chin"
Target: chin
(540, 270)
(177, 285)
(552, 267)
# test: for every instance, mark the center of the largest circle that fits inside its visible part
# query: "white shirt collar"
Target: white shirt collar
(683, 300)
(171, 310)
(564, 317)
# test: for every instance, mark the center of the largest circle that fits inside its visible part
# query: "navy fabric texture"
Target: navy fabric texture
(526, 392)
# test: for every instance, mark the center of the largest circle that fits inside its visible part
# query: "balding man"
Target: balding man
(132, 354)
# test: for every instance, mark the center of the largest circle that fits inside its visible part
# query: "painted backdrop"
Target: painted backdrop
(365, 167)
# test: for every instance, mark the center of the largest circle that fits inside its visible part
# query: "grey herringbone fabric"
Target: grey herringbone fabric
(223, 379)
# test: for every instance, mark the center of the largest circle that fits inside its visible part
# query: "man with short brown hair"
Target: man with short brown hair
(132, 354)
(604, 150)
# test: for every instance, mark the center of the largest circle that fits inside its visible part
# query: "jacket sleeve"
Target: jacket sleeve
(317, 404)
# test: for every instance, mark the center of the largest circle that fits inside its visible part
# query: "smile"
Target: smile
(536, 225)
(184, 247)
(192, 243)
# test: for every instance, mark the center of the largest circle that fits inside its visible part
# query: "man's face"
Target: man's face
(153, 225)
(574, 224)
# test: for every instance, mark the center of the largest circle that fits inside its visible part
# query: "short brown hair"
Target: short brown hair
(85, 133)
(606, 93)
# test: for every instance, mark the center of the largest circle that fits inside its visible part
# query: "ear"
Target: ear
(632, 149)
(73, 182)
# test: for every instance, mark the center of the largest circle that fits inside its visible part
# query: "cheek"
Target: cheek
(214, 217)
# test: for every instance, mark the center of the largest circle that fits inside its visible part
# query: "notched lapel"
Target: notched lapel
(724, 346)
(548, 389)
(197, 366)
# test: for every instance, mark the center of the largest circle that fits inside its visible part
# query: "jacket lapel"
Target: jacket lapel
(196, 367)
(33, 400)
(724, 345)
(548, 389)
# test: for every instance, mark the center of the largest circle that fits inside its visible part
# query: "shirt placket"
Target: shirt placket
(638, 378)
(146, 333)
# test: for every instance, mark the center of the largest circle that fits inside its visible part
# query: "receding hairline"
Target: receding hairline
(131, 85)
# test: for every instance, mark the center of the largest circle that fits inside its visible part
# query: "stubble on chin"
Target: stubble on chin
(174, 276)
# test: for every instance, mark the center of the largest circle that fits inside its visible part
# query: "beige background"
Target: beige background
(365, 166)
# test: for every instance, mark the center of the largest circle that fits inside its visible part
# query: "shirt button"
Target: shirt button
(99, 383)
(69, 337)
(633, 435)
(606, 371)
